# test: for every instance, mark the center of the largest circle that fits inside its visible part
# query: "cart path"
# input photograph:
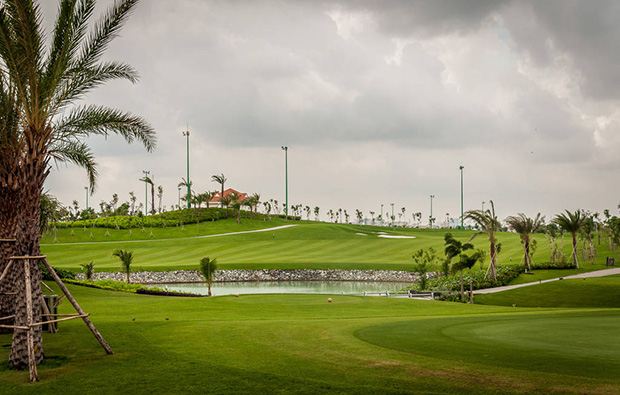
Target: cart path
(597, 273)
(175, 238)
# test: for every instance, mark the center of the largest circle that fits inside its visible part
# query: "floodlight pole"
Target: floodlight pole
(431, 218)
(285, 148)
(146, 192)
(186, 134)
(86, 189)
(461, 168)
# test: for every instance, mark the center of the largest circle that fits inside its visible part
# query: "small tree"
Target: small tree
(424, 261)
(467, 262)
(89, 269)
(126, 258)
(208, 267)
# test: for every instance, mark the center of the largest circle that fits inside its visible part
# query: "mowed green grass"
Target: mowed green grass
(301, 344)
(601, 292)
(305, 245)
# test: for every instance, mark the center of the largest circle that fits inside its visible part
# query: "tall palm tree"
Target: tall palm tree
(489, 225)
(44, 79)
(207, 268)
(126, 258)
(572, 223)
(525, 226)
(235, 203)
(220, 179)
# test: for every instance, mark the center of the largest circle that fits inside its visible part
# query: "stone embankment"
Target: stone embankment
(190, 276)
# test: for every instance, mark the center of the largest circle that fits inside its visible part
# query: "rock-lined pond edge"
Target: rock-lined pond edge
(194, 276)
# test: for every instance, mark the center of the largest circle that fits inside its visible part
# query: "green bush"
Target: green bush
(64, 274)
(504, 274)
(553, 266)
(112, 285)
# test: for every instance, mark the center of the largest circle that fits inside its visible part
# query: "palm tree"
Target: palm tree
(235, 203)
(467, 262)
(316, 213)
(220, 179)
(44, 78)
(89, 270)
(489, 225)
(186, 186)
(572, 223)
(454, 248)
(225, 202)
(372, 215)
(207, 268)
(160, 196)
(126, 258)
(525, 226)
(149, 181)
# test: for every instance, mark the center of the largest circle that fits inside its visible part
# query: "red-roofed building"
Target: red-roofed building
(216, 199)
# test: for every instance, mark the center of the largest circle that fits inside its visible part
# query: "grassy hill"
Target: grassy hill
(315, 245)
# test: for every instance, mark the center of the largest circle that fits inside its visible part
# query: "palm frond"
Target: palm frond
(98, 120)
(78, 153)
(69, 31)
(106, 29)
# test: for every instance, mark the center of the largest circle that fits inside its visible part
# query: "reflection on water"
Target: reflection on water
(285, 287)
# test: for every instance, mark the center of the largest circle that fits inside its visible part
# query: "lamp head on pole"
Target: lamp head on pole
(285, 148)
(461, 167)
(186, 133)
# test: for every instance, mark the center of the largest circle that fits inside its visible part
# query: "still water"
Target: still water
(285, 287)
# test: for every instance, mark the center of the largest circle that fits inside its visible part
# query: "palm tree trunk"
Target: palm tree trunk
(575, 250)
(209, 286)
(27, 233)
(8, 217)
(526, 244)
(462, 288)
(493, 276)
(152, 198)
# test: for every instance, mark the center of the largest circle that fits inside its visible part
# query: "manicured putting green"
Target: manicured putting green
(580, 344)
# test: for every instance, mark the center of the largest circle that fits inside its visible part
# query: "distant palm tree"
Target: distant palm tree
(220, 179)
(149, 181)
(372, 215)
(126, 258)
(454, 248)
(235, 203)
(489, 225)
(188, 187)
(89, 269)
(525, 226)
(207, 268)
(225, 202)
(572, 223)
(316, 213)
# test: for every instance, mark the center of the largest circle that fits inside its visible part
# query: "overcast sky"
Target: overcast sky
(379, 102)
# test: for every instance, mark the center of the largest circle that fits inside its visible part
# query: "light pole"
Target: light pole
(392, 218)
(179, 203)
(381, 215)
(186, 134)
(461, 168)
(431, 218)
(483, 207)
(146, 191)
(86, 189)
(285, 148)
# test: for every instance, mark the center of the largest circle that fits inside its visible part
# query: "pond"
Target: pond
(285, 287)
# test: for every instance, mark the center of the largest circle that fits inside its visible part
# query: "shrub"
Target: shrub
(64, 274)
(504, 274)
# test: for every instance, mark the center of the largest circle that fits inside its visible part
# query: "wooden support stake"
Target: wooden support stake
(47, 286)
(77, 307)
(6, 270)
(24, 328)
(58, 320)
(7, 317)
(52, 327)
(32, 362)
